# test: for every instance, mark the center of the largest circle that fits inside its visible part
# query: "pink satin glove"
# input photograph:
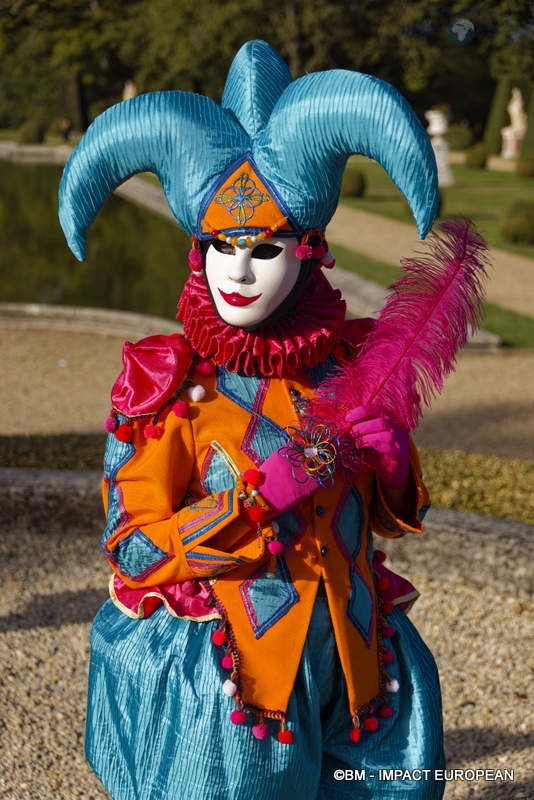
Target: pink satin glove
(385, 442)
(280, 489)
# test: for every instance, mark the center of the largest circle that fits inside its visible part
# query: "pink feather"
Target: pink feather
(427, 318)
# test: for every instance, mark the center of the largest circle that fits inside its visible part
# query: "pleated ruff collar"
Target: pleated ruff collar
(284, 348)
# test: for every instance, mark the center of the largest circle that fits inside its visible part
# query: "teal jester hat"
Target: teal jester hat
(272, 154)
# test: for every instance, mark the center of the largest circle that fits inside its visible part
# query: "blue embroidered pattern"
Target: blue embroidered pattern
(215, 475)
(216, 512)
(268, 597)
(241, 198)
(137, 556)
(116, 455)
(263, 436)
(347, 523)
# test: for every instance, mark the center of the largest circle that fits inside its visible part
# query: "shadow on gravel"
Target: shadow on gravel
(55, 610)
(489, 741)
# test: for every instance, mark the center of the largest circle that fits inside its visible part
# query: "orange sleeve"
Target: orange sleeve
(152, 536)
(383, 520)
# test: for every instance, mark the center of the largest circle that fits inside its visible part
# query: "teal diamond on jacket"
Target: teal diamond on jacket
(137, 556)
(262, 436)
(268, 596)
(360, 608)
(347, 524)
(216, 475)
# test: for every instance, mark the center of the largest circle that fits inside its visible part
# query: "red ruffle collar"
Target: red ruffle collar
(299, 341)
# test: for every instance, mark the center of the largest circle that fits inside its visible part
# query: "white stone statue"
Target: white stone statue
(437, 127)
(513, 134)
(129, 90)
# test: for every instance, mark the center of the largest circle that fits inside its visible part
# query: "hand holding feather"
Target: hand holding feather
(403, 362)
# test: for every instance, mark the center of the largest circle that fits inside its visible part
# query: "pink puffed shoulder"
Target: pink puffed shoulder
(153, 370)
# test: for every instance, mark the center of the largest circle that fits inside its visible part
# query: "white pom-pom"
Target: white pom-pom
(196, 393)
(229, 688)
(393, 686)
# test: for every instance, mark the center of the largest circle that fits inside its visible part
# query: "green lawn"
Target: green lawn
(515, 330)
(480, 194)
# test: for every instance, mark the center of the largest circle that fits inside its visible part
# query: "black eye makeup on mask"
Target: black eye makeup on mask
(266, 251)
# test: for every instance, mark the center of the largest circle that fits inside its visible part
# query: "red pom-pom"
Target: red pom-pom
(383, 583)
(218, 637)
(269, 232)
(275, 547)
(388, 631)
(388, 657)
(110, 423)
(387, 607)
(253, 476)
(204, 368)
(153, 431)
(124, 433)
(214, 233)
(385, 712)
(285, 737)
(370, 724)
(238, 717)
(304, 252)
(256, 514)
(181, 409)
(319, 250)
(355, 734)
(379, 556)
(195, 260)
(227, 662)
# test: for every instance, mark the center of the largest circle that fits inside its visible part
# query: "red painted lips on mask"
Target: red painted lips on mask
(236, 299)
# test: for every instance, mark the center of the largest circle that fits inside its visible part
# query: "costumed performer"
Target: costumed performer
(254, 642)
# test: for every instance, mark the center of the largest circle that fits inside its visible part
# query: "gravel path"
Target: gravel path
(54, 582)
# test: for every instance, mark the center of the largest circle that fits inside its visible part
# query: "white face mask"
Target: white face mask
(248, 284)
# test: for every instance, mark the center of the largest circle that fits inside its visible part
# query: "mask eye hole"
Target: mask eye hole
(266, 251)
(223, 247)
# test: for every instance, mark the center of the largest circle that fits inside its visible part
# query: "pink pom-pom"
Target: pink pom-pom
(275, 547)
(388, 657)
(388, 631)
(195, 260)
(355, 734)
(379, 556)
(153, 431)
(260, 731)
(181, 409)
(238, 717)
(204, 368)
(385, 712)
(227, 662)
(318, 251)
(304, 252)
(110, 423)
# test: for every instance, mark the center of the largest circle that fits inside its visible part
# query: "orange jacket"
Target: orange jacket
(174, 515)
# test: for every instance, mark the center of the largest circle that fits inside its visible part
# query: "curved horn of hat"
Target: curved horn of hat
(323, 118)
(184, 138)
(256, 79)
